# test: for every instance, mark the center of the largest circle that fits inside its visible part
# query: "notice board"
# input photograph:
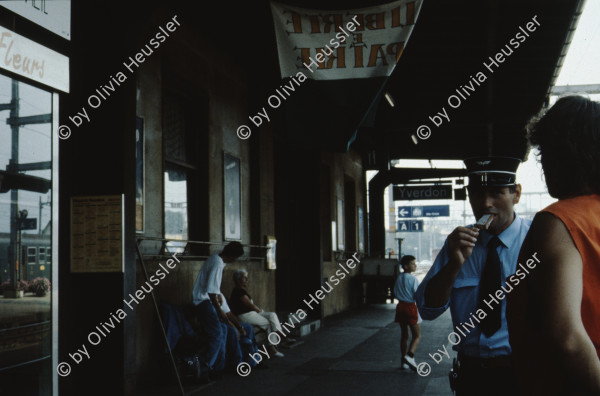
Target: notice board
(97, 236)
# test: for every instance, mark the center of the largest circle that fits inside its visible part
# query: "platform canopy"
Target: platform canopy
(483, 68)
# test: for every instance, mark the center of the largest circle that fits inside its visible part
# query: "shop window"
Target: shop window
(176, 202)
(180, 142)
(31, 255)
(26, 115)
(325, 212)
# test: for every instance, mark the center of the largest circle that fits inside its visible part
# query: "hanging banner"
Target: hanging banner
(334, 45)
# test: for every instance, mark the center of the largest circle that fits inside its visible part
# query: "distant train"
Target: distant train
(36, 256)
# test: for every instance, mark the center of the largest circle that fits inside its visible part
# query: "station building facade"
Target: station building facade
(152, 106)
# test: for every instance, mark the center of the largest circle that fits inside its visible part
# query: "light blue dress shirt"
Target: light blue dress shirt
(406, 287)
(463, 301)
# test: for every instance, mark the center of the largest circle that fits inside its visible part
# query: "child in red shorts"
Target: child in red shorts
(406, 311)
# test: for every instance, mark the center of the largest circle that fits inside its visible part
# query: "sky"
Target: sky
(581, 65)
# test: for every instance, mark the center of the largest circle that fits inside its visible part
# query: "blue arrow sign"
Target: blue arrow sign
(436, 210)
(404, 211)
(423, 211)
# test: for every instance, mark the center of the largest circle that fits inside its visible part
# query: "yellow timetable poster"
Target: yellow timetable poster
(97, 233)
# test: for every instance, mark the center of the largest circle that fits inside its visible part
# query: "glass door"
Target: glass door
(26, 238)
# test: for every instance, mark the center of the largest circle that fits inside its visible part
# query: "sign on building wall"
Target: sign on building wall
(358, 43)
(409, 193)
(54, 15)
(32, 60)
(97, 233)
(423, 211)
(410, 226)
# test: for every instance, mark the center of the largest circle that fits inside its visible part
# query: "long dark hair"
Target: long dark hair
(568, 138)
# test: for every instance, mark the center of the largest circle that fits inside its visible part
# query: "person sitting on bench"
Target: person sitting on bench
(245, 309)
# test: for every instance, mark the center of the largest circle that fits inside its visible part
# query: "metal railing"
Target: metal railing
(341, 255)
(165, 250)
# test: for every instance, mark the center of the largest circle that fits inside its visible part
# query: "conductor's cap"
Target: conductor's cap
(492, 171)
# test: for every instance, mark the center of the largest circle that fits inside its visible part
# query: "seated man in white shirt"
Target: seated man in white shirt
(206, 289)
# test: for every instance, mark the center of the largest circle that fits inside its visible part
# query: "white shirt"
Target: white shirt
(224, 305)
(209, 279)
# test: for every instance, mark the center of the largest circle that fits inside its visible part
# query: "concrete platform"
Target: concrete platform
(355, 353)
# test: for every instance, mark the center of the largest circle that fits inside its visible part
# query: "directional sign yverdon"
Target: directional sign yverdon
(423, 211)
(410, 193)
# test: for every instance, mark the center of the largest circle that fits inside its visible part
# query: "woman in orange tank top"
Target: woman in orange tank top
(554, 314)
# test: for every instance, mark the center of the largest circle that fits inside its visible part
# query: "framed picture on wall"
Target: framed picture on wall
(333, 235)
(340, 224)
(232, 205)
(361, 230)
(271, 244)
(139, 175)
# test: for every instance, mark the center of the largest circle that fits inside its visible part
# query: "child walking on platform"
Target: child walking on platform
(406, 311)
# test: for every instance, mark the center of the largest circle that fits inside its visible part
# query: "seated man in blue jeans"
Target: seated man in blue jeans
(206, 289)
